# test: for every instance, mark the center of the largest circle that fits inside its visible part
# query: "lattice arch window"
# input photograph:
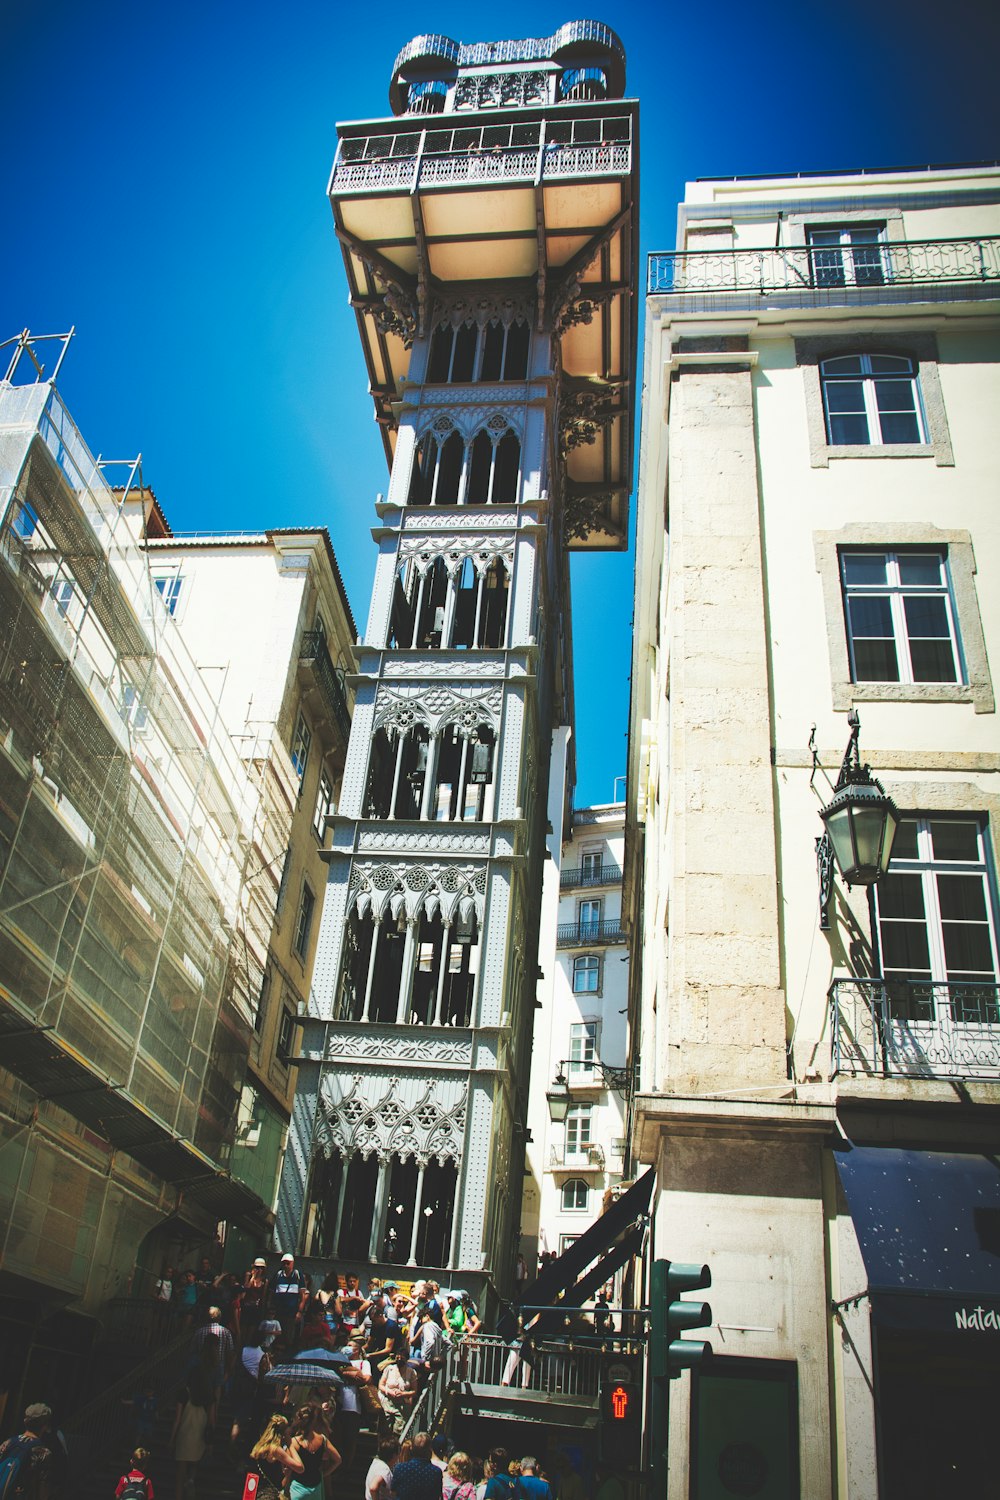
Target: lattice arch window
(466, 354)
(450, 603)
(484, 471)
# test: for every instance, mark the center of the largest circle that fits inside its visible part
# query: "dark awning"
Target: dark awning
(928, 1223)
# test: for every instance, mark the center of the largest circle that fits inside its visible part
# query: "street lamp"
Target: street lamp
(860, 825)
(557, 1097)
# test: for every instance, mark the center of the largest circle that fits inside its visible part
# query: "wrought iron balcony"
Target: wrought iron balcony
(590, 934)
(915, 1028)
(822, 274)
(587, 1159)
(551, 161)
(600, 875)
(329, 679)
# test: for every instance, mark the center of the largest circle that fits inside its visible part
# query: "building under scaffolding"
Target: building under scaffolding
(132, 935)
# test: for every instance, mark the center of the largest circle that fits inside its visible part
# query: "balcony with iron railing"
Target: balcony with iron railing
(584, 1159)
(884, 1028)
(803, 275)
(329, 680)
(407, 163)
(594, 875)
(584, 934)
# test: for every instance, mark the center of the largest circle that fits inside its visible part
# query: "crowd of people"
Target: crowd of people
(381, 1343)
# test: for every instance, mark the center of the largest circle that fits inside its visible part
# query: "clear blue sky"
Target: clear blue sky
(164, 178)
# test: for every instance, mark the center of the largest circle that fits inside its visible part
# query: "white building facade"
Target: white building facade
(581, 1035)
(818, 534)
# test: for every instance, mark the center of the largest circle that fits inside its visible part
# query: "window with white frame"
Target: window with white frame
(590, 865)
(579, 1122)
(872, 400)
(565, 1240)
(900, 616)
(847, 254)
(303, 923)
(575, 1196)
(587, 974)
(936, 914)
(582, 1050)
(301, 741)
(588, 916)
(324, 805)
(168, 584)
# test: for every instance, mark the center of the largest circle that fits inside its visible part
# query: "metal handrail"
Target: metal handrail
(571, 1368)
(582, 934)
(814, 268)
(603, 875)
(431, 1398)
(104, 1423)
(314, 650)
(915, 1028)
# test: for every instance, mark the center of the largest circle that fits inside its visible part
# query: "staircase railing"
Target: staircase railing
(105, 1424)
(430, 1403)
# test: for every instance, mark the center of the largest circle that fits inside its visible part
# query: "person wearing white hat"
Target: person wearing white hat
(288, 1295)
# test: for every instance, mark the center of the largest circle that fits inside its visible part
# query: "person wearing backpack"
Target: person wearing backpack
(135, 1484)
(26, 1460)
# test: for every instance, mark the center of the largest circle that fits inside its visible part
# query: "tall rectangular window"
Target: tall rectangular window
(590, 866)
(303, 924)
(589, 918)
(168, 585)
(872, 400)
(582, 1050)
(579, 1122)
(286, 1035)
(324, 806)
(900, 617)
(936, 912)
(301, 741)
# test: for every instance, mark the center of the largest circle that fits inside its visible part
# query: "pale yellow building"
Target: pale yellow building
(818, 531)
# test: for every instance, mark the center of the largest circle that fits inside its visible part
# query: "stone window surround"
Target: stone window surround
(922, 347)
(957, 545)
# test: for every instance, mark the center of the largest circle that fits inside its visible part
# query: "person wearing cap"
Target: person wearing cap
(255, 1290)
(454, 1318)
(288, 1295)
(32, 1444)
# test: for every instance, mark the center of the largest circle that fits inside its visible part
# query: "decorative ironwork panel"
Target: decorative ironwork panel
(915, 1028)
(801, 268)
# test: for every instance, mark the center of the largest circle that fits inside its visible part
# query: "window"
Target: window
(582, 1050)
(590, 866)
(587, 974)
(324, 806)
(871, 400)
(286, 1035)
(588, 918)
(916, 603)
(303, 925)
(565, 1240)
(132, 709)
(900, 617)
(169, 585)
(469, 353)
(301, 741)
(937, 923)
(848, 255)
(578, 1126)
(447, 471)
(261, 1007)
(575, 1196)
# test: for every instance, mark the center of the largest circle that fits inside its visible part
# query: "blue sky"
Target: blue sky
(164, 178)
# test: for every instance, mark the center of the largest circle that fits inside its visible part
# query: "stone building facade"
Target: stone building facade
(818, 533)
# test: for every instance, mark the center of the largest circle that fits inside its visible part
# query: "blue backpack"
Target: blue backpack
(12, 1464)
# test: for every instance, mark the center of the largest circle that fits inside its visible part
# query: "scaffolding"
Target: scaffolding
(134, 921)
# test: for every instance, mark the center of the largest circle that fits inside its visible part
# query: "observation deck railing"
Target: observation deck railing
(825, 272)
(549, 161)
(909, 1028)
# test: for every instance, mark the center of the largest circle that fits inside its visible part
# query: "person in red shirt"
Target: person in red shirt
(135, 1485)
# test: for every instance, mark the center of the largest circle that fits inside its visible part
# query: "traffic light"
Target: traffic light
(670, 1353)
(620, 1404)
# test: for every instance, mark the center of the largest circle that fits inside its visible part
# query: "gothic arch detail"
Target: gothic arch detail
(406, 891)
(400, 709)
(431, 1126)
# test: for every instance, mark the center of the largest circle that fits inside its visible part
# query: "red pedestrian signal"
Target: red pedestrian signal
(620, 1402)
